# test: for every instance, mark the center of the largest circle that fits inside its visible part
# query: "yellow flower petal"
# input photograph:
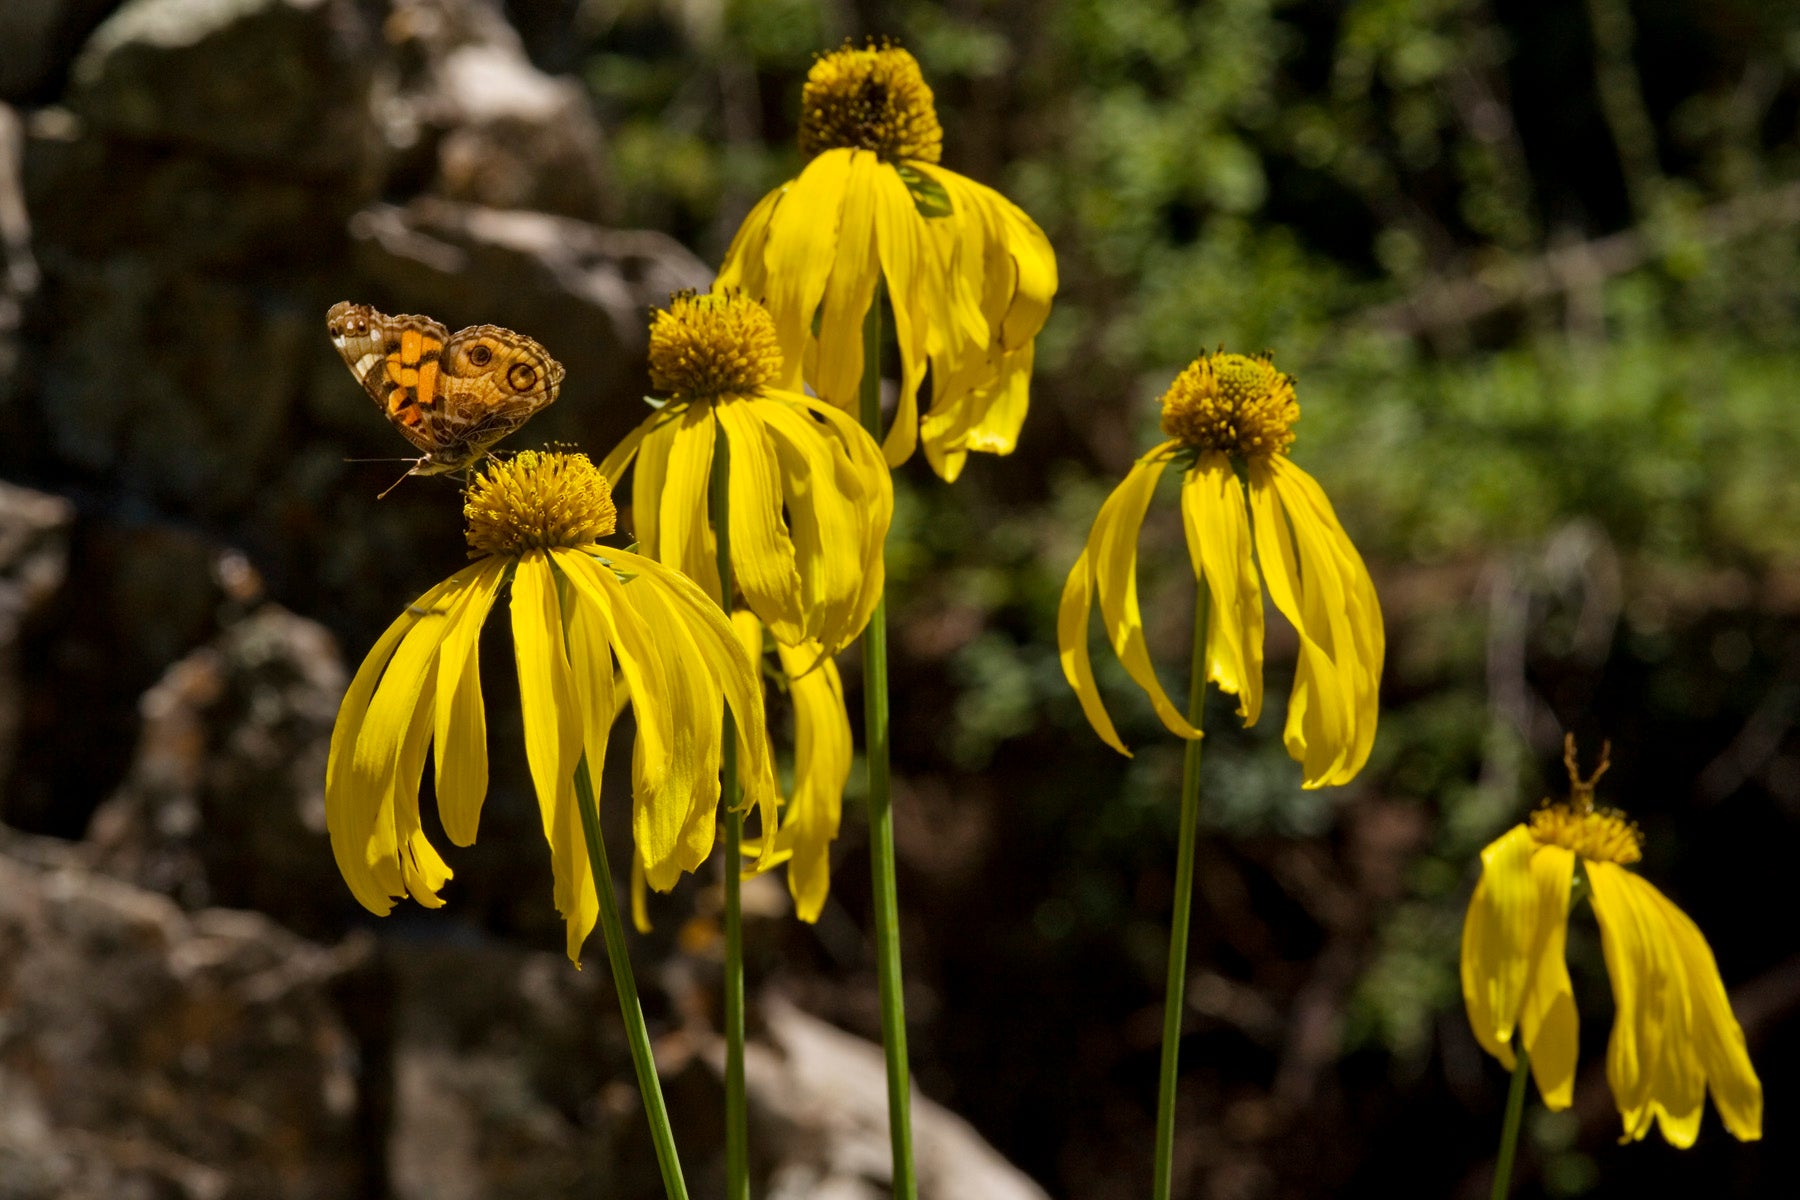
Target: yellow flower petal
(1548, 1022)
(1113, 548)
(1218, 536)
(910, 264)
(352, 799)
(620, 456)
(745, 267)
(855, 269)
(822, 758)
(460, 733)
(649, 479)
(762, 553)
(1072, 616)
(840, 500)
(1497, 935)
(553, 738)
(684, 537)
(800, 253)
(1672, 1025)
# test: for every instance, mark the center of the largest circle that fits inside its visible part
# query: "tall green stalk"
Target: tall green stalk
(881, 819)
(613, 931)
(737, 1158)
(1175, 992)
(1509, 1127)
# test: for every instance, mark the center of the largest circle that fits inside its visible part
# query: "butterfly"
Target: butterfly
(453, 395)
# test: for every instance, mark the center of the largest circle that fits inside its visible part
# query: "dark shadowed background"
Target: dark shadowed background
(1536, 266)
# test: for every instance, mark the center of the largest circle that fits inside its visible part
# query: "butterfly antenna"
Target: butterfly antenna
(380, 460)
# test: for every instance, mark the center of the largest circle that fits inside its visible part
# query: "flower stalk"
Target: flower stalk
(613, 932)
(1509, 1127)
(737, 1159)
(1175, 994)
(881, 819)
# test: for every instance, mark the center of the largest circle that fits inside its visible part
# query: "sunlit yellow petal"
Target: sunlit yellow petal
(640, 904)
(854, 272)
(1718, 1038)
(1218, 535)
(351, 800)
(762, 553)
(1650, 1059)
(460, 734)
(1548, 1022)
(910, 265)
(1072, 616)
(745, 266)
(801, 250)
(684, 534)
(412, 860)
(648, 480)
(553, 737)
(822, 758)
(620, 456)
(1113, 545)
(1496, 940)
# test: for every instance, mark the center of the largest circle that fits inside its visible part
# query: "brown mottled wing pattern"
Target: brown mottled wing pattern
(451, 395)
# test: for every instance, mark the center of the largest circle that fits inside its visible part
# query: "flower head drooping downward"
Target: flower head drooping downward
(708, 345)
(968, 276)
(579, 611)
(1674, 1037)
(874, 98)
(810, 497)
(1230, 421)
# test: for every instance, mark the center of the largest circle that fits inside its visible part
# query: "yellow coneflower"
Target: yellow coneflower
(535, 522)
(1244, 505)
(810, 497)
(969, 276)
(1673, 1036)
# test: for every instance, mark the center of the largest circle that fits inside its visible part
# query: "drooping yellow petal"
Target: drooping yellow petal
(799, 254)
(745, 265)
(762, 553)
(909, 262)
(1319, 583)
(553, 738)
(640, 904)
(620, 456)
(1218, 536)
(822, 758)
(854, 271)
(1548, 1022)
(1718, 1038)
(1673, 1030)
(352, 799)
(732, 675)
(421, 870)
(1113, 549)
(648, 479)
(663, 759)
(391, 738)
(1496, 941)
(460, 735)
(591, 671)
(1651, 1060)
(839, 500)
(684, 534)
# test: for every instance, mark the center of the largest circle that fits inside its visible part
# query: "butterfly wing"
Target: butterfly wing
(492, 380)
(397, 361)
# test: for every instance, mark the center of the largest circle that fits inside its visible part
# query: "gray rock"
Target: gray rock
(149, 1053)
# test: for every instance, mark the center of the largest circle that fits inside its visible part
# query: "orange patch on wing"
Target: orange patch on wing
(426, 382)
(412, 344)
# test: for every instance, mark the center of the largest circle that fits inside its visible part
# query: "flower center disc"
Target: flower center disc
(870, 99)
(1232, 402)
(713, 344)
(536, 500)
(1597, 834)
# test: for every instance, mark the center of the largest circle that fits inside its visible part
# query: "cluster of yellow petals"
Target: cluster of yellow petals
(534, 501)
(1236, 403)
(713, 344)
(1674, 1038)
(582, 617)
(874, 98)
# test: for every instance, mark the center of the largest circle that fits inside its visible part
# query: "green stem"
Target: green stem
(623, 982)
(1175, 992)
(737, 1158)
(881, 820)
(1509, 1128)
